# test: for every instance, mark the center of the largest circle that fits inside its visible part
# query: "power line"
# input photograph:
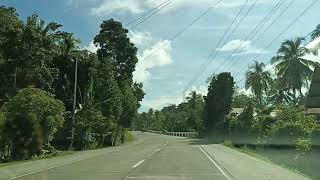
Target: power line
(277, 18)
(284, 30)
(263, 21)
(209, 60)
(253, 32)
(295, 20)
(145, 14)
(218, 44)
(167, 3)
(184, 29)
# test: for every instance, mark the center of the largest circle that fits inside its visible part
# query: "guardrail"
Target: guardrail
(181, 134)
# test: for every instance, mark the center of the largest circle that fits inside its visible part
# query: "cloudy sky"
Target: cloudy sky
(166, 62)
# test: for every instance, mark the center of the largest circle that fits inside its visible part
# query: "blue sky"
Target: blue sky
(166, 73)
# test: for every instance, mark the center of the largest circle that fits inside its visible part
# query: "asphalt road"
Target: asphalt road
(154, 157)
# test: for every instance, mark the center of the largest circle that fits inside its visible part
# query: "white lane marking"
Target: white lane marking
(214, 162)
(136, 165)
(70, 162)
(157, 150)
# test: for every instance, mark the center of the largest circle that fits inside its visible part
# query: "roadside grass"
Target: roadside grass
(129, 137)
(47, 156)
(306, 164)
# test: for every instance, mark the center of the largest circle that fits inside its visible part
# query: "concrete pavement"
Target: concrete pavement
(152, 156)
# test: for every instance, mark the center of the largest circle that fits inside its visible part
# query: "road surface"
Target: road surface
(152, 156)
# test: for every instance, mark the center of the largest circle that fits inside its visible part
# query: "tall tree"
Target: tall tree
(115, 46)
(195, 111)
(218, 102)
(258, 80)
(278, 94)
(10, 38)
(116, 49)
(293, 71)
(37, 49)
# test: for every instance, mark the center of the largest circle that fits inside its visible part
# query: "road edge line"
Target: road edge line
(214, 162)
(52, 167)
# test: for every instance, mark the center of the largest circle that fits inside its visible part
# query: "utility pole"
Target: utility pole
(74, 104)
(184, 96)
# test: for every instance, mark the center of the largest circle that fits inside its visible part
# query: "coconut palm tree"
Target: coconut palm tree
(315, 33)
(258, 80)
(292, 70)
(279, 95)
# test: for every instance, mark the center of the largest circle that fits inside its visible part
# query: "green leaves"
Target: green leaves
(292, 70)
(218, 101)
(315, 33)
(115, 46)
(258, 79)
(31, 119)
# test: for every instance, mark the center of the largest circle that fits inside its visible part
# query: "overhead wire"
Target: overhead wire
(220, 41)
(184, 29)
(214, 50)
(283, 31)
(253, 33)
(148, 12)
(272, 23)
(167, 3)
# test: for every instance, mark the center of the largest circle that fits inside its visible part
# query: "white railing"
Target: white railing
(183, 134)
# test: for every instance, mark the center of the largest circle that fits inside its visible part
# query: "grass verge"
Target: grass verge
(129, 137)
(304, 164)
(47, 156)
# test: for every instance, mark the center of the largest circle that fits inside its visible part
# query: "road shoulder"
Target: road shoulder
(244, 167)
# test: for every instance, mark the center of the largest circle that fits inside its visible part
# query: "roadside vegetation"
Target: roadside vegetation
(42, 68)
(272, 121)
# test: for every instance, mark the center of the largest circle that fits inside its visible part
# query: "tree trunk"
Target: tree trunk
(116, 135)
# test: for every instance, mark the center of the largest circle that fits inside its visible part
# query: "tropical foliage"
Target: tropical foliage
(37, 64)
(292, 70)
(258, 79)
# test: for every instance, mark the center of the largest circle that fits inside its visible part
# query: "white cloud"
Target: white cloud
(140, 39)
(91, 47)
(164, 101)
(116, 6)
(161, 102)
(157, 56)
(203, 90)
(139, 6)
(243, 47)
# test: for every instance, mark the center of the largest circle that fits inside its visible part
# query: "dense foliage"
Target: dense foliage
(185, 117)
(32, 118)
(37, 74)
(270, 113)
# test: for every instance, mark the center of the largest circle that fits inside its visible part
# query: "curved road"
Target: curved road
(152, 157)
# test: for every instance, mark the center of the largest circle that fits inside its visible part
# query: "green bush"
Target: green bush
(129, 136)
(303, 145)
(296, 125)
(228, 143)
(31, 119)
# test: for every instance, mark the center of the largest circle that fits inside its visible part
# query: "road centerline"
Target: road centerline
(138, 164)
